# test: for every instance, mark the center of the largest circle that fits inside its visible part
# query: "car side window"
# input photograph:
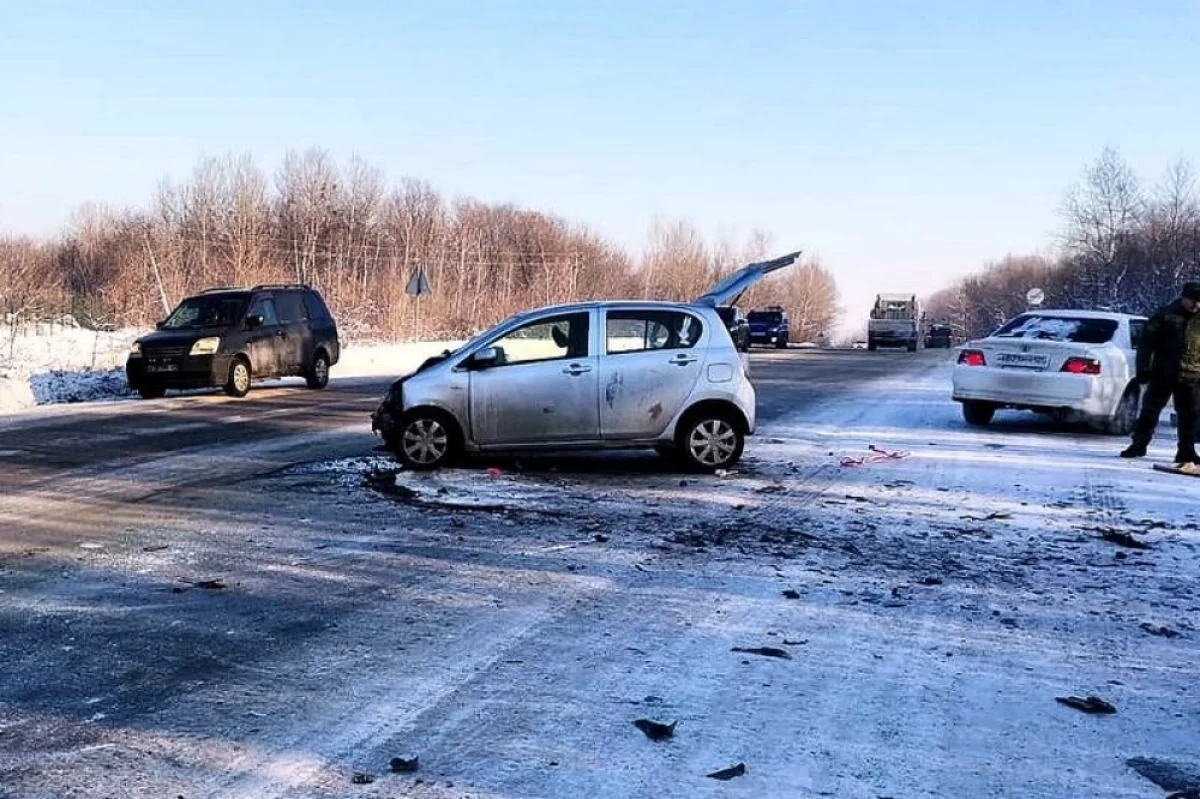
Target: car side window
(642, 331)
(552, 339)
(290, 308)
(1137, 328)
(266, 309)
(316, 307)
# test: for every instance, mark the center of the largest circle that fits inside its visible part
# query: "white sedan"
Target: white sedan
(1073, 365)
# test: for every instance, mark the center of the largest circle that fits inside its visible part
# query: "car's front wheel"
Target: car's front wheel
(426, 440)
(711, 440)
(238, 382)
(978, 414)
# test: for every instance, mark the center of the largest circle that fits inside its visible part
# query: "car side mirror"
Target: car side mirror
(484, 358)
(254, 321)
(159, 325)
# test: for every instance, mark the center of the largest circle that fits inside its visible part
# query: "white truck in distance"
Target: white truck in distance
(895, 322)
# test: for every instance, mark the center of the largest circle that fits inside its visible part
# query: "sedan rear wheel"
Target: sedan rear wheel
(712, 441)
(426, 442)
(978, 414)
(1124, 419)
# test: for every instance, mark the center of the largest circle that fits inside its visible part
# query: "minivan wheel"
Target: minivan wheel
(318, 375)
(426, 441)
(238, 384)
(711, 441)
(978, 414)
(151, 392)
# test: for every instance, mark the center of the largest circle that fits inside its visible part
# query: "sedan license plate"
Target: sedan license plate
(162, 367)
(1022, 360)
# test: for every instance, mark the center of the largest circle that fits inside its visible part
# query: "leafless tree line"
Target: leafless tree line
(1125, 246)
(344, 230)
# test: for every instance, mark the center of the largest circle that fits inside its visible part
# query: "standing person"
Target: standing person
(1168, 364)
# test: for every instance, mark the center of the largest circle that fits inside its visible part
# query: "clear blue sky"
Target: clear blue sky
(904, 142)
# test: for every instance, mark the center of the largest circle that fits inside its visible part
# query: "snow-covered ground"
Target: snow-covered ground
(508, 624)
(64, 363)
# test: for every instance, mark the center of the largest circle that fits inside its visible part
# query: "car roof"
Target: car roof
(1082, 314)
(657, 305)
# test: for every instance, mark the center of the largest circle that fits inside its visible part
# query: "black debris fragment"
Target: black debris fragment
(211, 585)
(1090, 704)
(1123, 539)
(156, 547)
(362, 779)
(791, 593)
(1160, 631)
(765, 651)
(1182, 778)
(931, 581)
(400, 765)
(654, 730)
(729, 773)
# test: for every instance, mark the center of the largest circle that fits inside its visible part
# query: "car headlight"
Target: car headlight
(206, 346)
(136, 349)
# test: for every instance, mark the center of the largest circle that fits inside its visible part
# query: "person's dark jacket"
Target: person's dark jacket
(1161, 348)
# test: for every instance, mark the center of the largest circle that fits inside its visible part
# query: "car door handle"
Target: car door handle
(576, 369)
(279, 334)
(682, 360)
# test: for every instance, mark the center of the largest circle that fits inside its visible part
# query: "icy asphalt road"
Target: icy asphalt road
(508, 630)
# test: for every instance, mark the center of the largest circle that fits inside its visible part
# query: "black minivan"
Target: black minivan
(225, 337)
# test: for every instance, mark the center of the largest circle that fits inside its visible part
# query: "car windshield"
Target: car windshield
(770, 317)
(1076, 330)
(215, 310)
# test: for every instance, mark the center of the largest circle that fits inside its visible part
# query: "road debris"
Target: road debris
(1090, 704)
(1123, 539)
(764, 651)
(790, 593)
(1161, 631)
(156, 547)
(400, 765)
(1183, 779)
(655, 730)
(362, 779)
(728, 773)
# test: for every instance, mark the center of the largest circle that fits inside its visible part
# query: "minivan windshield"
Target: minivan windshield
(211, 310)
(1077, 330)
(770, 317)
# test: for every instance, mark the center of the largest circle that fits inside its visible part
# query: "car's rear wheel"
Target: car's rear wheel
(1124, 418)
(872, 347)
(238, 382)
(711, 440)
(152, 392)
(978, 414)
(318, 373)
(427, 440)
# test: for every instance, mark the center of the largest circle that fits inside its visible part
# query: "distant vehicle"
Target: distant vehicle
(590, 375)
(1072, 365)
(895, 322)
(939, 337)
(770, 326)
(858, 345)
(736, 324)
(228, 337)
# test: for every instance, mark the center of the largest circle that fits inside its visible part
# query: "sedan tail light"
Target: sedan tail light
(972, 358)
(1082, 366)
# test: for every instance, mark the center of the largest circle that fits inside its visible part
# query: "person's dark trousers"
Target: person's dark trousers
(1187, 407)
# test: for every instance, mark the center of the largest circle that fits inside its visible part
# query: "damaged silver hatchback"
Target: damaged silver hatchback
(617, 375)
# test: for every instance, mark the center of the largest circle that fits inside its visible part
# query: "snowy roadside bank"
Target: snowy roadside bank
(65, 363)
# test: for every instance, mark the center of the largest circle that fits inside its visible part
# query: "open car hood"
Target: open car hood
(729, 290)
